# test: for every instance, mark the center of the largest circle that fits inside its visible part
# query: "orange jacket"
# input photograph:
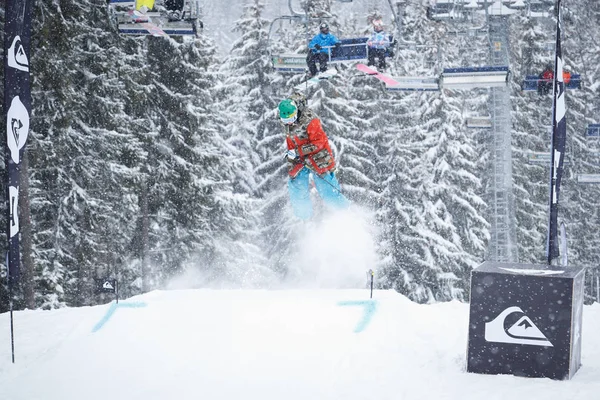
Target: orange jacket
(313, 150)
(566, 76)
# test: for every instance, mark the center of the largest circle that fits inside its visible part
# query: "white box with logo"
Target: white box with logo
(525, 320)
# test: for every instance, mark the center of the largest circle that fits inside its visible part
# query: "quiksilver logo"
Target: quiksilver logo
(13, 203)
(16, 55)
(108, 285)
(523, 331)
(17, 126)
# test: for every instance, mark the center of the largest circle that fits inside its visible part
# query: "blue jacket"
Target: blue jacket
(379, 40)
(323, 40)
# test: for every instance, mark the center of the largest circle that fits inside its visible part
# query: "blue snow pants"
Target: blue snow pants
(327, 186)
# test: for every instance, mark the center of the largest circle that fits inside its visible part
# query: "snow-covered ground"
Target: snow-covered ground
(258, 344)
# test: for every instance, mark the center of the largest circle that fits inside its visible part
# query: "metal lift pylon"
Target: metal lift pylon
(503, 241)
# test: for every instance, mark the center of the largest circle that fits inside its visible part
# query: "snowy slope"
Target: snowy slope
(279, 344)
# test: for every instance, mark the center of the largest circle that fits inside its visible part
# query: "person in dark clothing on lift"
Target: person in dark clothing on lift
(545, 80)
(319, 49)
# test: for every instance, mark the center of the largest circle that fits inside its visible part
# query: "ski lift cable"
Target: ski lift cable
(295, 13)
(295, 16)
(398, 22)
(283, 17)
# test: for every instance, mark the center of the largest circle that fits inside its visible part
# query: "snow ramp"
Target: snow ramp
(253, 344)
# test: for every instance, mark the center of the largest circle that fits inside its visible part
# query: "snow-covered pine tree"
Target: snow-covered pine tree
(252, 134)
(439, 228)
(194, 212)
(402, 116)
(76, 188)
(365, 171)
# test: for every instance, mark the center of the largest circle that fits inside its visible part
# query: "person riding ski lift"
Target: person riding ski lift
(173, 9)
(566, 75)
(144, 6)
(318, 49)
(545, 79)
(308, 153)
(378, 44)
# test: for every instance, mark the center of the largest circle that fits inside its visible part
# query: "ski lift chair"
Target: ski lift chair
(414, 84)
(542, 158)
(131, 22)
(497, 8)
(531, 82)
(355, 49)
(588, 178)
(540, 8)
(444, 9)
(538, 158)
(479, 122)
(352, 49)
(474, 77)
(293, 62)
(592, 131)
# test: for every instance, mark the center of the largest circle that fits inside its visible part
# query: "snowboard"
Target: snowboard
(153, 29)
(315, 80)
(145, 22)
(372, 71)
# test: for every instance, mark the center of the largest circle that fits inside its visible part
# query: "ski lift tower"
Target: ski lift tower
(503, 241)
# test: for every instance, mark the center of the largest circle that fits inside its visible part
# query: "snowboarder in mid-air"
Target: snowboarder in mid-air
(318, 49)
(378, 44)
(308, 153)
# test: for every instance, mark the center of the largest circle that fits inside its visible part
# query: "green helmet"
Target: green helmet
(288, 111)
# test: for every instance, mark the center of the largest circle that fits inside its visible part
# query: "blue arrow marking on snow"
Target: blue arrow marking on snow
(109, 313)
(111, 310)
(370, 308)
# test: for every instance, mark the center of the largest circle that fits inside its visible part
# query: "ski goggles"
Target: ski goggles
(291, 119)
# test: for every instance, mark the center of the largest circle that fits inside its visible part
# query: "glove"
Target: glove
(338, 44)
(291, 156)
(318, 46)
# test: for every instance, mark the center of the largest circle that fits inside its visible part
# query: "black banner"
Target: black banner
(559, 138)
(107, 285)
(17, 108)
